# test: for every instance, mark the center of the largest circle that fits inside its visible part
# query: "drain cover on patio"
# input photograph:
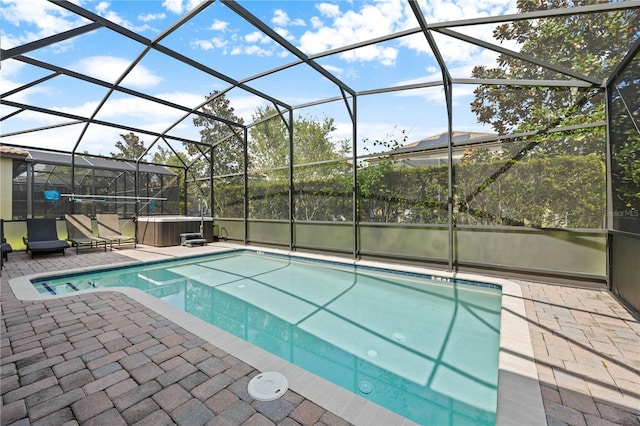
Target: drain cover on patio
(268, 386)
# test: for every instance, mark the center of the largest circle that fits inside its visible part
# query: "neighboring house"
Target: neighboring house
(28, 174)
(433, 150)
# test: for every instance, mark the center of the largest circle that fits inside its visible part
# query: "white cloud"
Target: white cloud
(41, 18)
(435, 94)
(235, 45)
(245, 106)
(280, 18)
(370, 21)
(335, 25)
(335, 28)
(443, 10)
(454, 50)
(219, 42)
(25, 96)
(129, 111)
(10, 68)
(344, 130)
(182, 98)
(316, 22)
(99, 140)
(218, 25)
(202, 44)
(333, 69)
(329, 10)
(151, 17)
(213, 43)
(103, 9)
(138, 112)
(254, 50)
(450, 10)
(384, 55)
(256, 37)
(109, 68)
(180, 6)
(284, 33)
(174, 6)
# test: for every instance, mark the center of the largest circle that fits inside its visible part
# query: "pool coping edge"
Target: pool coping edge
(519, 399)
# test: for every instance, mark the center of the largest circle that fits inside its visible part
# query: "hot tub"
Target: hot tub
(163, 231)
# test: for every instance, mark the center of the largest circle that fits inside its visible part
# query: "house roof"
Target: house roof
(441, 141)
(64, 159)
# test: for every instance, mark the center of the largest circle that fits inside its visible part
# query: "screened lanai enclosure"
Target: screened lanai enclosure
(502, 137)
(45, 185)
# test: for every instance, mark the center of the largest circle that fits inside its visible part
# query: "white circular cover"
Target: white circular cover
(268, 386)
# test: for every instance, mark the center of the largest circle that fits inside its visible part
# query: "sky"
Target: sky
(224, 42)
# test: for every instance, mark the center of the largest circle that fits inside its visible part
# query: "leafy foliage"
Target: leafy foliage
(269, 146)
(131, 147)
(227, 142)
(565, 191)
(315, 157)
(591, 44)
(625, 148)
(171, 189)
(228, 156)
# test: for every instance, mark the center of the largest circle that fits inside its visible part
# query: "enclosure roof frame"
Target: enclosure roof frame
(97, 22)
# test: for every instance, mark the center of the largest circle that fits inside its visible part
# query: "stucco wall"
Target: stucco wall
(6, 180)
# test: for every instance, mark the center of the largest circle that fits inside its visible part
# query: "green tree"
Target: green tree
(171, 187)
(131, 147)
(591, 44)
(167, 157)
(625, 148)
(228, 151)
(312, 143)
(269, 141)
(316, 158)
(228, 156)
(374, 186)
(542, 192)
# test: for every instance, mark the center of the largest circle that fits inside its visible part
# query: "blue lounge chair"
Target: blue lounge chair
(42, 237)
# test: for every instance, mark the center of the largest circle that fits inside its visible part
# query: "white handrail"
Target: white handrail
(123, 197)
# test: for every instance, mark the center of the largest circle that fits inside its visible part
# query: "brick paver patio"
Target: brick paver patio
(587, 350)
(102, 358)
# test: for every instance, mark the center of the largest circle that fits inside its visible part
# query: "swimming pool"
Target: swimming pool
(422, 346)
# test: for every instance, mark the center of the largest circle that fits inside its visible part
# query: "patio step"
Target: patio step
(195, 242)
(191, 239)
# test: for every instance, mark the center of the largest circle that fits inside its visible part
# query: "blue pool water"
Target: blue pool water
(424, 347)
